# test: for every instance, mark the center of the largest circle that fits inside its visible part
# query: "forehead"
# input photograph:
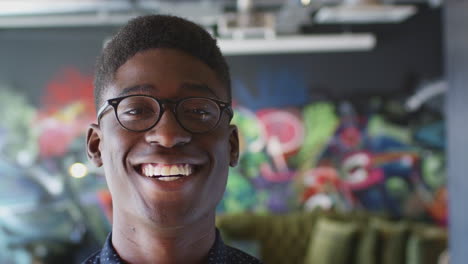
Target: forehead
(167, 73)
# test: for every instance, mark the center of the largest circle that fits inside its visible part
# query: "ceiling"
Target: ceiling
(247, 23)
(289, 14)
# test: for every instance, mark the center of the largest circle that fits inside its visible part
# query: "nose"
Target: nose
(167, 132)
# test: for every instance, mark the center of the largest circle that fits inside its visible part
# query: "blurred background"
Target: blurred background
(343, 106)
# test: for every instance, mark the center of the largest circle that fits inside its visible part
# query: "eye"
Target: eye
(197, 113)
(197, 110)
(136, 113)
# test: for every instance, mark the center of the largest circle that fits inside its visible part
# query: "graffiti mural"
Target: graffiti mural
(326, 155)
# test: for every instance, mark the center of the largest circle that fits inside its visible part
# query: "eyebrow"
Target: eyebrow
(136, 88)
(196, 87)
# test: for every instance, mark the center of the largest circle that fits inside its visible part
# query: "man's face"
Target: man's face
(125, 155)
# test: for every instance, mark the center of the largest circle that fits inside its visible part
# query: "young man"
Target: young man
(162, 89)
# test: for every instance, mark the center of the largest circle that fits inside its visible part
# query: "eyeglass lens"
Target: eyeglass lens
(139, 113)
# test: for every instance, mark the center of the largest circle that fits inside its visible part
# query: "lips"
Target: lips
(166, 172)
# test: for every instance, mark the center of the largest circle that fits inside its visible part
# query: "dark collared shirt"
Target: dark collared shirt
(218, 254)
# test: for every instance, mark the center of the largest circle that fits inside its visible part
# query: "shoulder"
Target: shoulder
(235, 255)
(93, 259)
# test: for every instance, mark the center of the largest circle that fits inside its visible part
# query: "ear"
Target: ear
(234, 146)
(93, 142)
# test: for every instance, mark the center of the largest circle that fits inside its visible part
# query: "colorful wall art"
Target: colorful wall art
(327, 155)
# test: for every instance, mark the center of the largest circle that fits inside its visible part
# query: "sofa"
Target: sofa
(328, 237)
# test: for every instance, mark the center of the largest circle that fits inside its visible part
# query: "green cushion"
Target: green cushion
(331, 242)
(391, 240)
(282, 238)
(367, 249)
(239, 226)
(328, 237)
(426, 244)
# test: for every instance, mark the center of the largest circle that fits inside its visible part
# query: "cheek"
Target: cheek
(220, 158)
(115, 146)
(111, 155)
(111, 167)
(117, 143)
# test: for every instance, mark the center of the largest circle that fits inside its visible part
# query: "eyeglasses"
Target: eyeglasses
(140, 113)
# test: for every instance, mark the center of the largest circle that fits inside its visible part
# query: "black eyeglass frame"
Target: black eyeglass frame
(114, 102)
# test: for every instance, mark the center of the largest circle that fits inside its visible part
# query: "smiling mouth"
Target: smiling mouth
(165, 172)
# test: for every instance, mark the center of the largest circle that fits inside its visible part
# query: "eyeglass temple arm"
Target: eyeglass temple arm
(101, 110)
(230, 111)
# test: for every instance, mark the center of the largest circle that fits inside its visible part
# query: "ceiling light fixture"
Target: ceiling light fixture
(299, 44)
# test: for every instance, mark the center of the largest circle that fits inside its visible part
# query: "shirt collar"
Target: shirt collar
(216, 255)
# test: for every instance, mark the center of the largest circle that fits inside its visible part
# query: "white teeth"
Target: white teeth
(175, 170)
(166, 170)
(156, 170)
(188, 169)
(168, 178)
(172, 172)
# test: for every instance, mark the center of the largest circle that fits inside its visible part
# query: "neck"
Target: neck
(149, 243)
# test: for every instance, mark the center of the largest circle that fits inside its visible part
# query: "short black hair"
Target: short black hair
(158, 31)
